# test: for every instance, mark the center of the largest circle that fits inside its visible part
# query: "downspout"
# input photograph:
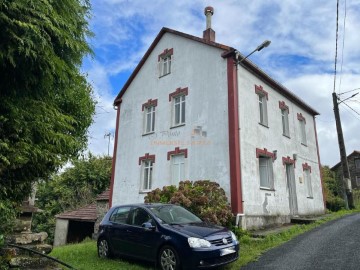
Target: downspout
(118, 104)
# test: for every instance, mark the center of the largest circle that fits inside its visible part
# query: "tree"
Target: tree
(333, 190)
(46, 103)
(77, 186)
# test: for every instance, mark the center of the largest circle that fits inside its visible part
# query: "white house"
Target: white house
(192, 110)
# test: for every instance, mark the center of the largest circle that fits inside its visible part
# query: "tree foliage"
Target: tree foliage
(333, 190)
(76, 187)
(46, 103)
(205, 198)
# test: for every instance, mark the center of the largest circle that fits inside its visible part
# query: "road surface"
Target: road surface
(334, 245)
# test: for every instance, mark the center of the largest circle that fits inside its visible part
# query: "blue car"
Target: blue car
(166, 234)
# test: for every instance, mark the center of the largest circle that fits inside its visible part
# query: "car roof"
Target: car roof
(146, 205)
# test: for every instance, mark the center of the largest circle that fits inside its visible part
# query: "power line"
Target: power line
(351, 109)
(349, 91)
(336, 43)
(342, 50)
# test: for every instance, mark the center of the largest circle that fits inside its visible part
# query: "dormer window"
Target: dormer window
(164, 61)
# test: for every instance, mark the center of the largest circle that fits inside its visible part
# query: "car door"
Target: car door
(144, 241)
(118, 235)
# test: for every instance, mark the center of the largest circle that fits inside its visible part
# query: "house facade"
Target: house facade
(192, 110)
(354, 168)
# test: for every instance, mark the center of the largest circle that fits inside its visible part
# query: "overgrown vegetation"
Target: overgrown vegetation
(75, 187)
(333, 190)
(204, 198)
(46, 102)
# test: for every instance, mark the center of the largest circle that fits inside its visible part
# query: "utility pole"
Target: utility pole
(344, 164)
(108, 135)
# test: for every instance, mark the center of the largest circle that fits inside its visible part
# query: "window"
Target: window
(179, 110)
(139, 217)
(147, 168)
(308, 183)
(266, 172)
(302, 124)
(164, 60)
(120, 215)
(149, 119)
(263, 110)
(357, 163)
(358, 180)
(178, 168)
(285, 122)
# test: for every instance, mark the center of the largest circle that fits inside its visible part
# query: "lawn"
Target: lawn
(83, 256)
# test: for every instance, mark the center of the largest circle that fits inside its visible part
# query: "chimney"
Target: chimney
(209, 34)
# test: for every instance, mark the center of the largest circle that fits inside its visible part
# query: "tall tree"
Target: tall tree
(46, 102)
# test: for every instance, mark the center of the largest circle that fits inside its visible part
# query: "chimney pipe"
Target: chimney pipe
(209, 34)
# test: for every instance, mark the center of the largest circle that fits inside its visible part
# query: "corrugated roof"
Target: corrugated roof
(87, 213)
(104, 196)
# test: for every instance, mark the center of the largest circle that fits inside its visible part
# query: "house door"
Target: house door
(290, 177)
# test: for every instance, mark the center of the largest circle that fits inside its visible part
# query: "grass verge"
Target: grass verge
(84, 255)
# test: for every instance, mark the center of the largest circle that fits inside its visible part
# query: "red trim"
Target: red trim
(177, 151)
(147, 157)
(321, 176)
(264, 153)
(300, 117)
(149, 103)
(166, 53)
(234, 139)
(260, 91)
(288, 160)
(283, 106)
(306, 166)
(178, 92)
(114, 154)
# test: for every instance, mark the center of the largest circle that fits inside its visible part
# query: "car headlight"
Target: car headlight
(233, 236)
(198, 243)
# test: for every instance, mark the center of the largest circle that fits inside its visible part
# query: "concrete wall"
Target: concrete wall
(206, 108)
(61, 231)
(264, 206)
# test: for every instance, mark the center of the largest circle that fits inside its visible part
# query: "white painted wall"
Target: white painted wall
(206, 106)
(258, 202)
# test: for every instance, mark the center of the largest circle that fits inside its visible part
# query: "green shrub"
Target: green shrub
(334, 203)
(204, 198)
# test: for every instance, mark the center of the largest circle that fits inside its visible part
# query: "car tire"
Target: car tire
(103, 247)
(168, 259)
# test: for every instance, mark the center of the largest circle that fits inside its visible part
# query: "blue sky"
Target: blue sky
(301, 54)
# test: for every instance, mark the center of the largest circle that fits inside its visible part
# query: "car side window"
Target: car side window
(120, 215)
(140, 216)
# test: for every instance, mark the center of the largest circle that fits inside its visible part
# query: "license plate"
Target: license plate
(227, 251)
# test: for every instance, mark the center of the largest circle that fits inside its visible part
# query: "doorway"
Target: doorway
(290, 179)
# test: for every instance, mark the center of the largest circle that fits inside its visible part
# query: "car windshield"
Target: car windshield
(174, 214)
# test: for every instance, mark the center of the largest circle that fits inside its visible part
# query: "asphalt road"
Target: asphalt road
(334, 245)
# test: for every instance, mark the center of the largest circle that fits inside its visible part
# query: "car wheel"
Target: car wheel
(104, 250)
(169, 259)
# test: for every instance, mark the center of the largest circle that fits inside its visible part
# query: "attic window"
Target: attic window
(164, 62)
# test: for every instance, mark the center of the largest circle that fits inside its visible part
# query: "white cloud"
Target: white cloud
(301, 55)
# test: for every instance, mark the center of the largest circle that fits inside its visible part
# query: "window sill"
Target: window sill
(287, 136)
(149, 133)
(164, 75)
(180, 125)
(261, 124)
(268, 189)
(145, 191)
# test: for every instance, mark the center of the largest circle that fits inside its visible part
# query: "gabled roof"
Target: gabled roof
(104, 196)
(349, 156)
(87, 213)
(228, 52)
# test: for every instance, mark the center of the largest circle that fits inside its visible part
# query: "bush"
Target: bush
(204, 198)
(334, 203)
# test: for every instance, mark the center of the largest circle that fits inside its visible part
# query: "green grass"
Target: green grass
(84, 255)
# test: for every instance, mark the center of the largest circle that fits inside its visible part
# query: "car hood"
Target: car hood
(199, 230)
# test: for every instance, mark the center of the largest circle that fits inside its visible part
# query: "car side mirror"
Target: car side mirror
(148, 226)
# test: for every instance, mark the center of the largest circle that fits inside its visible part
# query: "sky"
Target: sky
(301, 55)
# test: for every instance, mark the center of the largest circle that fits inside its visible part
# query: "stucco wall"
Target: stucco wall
(61, 231)
(206, 108)
(259, 202)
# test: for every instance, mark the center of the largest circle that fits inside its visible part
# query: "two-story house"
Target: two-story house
(354, 168)
(191, 110)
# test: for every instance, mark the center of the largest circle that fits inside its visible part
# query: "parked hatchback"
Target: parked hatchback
(166, 234)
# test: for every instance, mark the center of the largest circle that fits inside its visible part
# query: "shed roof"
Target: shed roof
(104, 196)
(86, 213)
(339, 163)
